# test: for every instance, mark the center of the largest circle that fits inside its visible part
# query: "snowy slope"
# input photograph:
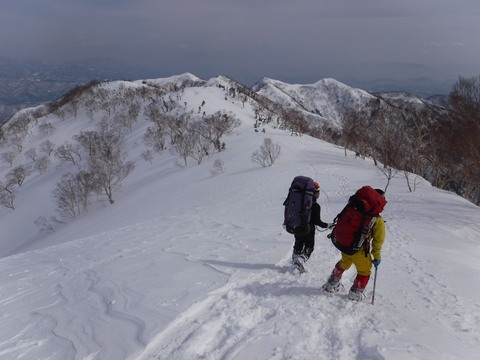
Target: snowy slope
(327, 98)
(188, 265)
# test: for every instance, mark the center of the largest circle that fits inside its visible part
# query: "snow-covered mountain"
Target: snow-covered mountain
(192, 262)
(326, 98)
(28, 83)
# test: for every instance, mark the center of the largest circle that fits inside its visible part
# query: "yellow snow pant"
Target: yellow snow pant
(362, 263)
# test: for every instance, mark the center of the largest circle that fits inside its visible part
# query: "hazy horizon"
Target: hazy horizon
(297, 43)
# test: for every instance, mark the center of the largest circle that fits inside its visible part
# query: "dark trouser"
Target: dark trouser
(304, 245)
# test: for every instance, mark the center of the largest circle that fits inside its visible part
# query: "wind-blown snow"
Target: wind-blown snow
(186, 265)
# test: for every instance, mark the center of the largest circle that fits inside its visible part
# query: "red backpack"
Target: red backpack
(353, 224)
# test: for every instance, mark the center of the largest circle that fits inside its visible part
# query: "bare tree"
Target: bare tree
(389, 172)
(156, 134)
(215, 126)
(72, 106)
(31, 154)
(105, 102)
(155, 138)
(16, 140)
(387, 137)
(67, 197)
(8, 157)
(176, 126)
(416, 179)
(86, 184)
(70, 102)
(88, 140)
(20, 123)
(18, 175)
(153, 111)
(7, 196)
(16, 130)
(417, 133)
(48, 225)
(72, 193)
(268, 153)
(47, 147)
(218, 167)
(60, 112)
(359, 131)
(42, 164)
(133, 112)
(147, 156)
(43, 224)
(294, 121)
(109, 163)
(46, 129)
(110, 172)
(185, 145)
(202, 146)
(464, 112)
(128, 117)
(69, 153)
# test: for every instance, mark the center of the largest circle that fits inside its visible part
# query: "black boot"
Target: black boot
(307, 252)
(297, 257)
(297, 260)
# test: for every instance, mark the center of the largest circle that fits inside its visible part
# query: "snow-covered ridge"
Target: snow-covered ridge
(191, 263)
(326, 98)
(174, 80)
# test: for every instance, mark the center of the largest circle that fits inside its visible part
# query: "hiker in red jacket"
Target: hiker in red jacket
(368, 255)
(304, 244)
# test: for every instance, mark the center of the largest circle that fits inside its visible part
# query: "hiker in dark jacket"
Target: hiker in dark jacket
(304, 244)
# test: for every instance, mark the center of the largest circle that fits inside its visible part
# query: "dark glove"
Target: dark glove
(376, 262)
(331, 225)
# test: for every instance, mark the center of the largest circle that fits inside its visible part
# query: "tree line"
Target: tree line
(96, 159)
(439, 143)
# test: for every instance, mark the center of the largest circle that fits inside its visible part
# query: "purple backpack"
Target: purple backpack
(298, 206)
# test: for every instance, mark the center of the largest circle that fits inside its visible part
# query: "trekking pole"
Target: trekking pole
(374, 285)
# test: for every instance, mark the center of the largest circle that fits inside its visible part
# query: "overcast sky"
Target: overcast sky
(283, 39)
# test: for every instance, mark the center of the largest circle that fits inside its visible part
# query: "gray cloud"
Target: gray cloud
(249, 38)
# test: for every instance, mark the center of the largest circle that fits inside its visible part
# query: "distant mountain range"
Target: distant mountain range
(26, 83)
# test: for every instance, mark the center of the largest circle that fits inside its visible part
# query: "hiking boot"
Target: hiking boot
(299, 266)
(306, 253)
(332, 285)
(356, 294)
(298, 257)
